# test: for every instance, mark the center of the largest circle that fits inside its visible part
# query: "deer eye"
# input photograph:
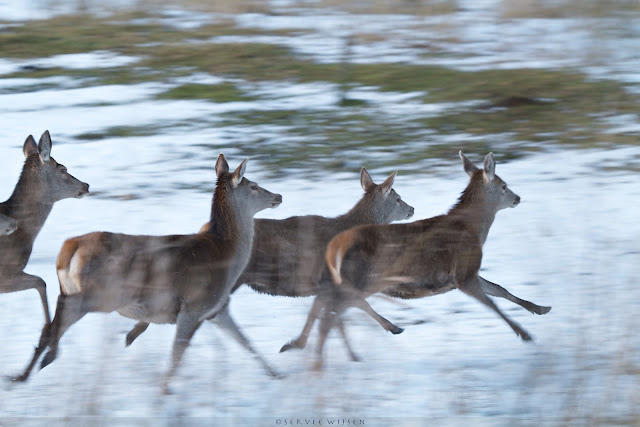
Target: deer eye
(63, 170)
(254, 187)
(504, 187)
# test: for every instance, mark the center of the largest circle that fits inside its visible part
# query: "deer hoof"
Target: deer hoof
(19, 379)
(130, 338)
(48, 358)
(397, 330)
(525, 336)
(317, 366)
(290, 345)
(542, 310)
(277, 375)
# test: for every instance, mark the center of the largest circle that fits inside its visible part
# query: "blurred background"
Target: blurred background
(140, 97)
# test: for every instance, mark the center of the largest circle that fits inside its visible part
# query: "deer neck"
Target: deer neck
(484, 224)
(474, 210)
(361, 213)
(27, 204)
(229, 223)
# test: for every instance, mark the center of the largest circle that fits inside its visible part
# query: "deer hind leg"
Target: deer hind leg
(186, 325)
(364, 306)
(24, 281)
(224, 320)
(495, 290)
(318, 304)
(134, 333)
(473, 288)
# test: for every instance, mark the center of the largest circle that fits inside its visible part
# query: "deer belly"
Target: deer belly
(160, 309)
(421, 289)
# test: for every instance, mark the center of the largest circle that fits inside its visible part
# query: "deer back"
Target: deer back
(425, 257)
(149, 277)
(288, 255)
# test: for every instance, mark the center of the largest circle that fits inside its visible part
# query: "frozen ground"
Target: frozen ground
(572, 244)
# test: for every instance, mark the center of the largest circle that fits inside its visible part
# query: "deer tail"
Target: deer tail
(337, 248)
(66, 253)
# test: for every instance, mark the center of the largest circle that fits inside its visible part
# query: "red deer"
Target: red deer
(43, 182)
(7, 225)
(422, 258)
(177, 279)
(288, 254)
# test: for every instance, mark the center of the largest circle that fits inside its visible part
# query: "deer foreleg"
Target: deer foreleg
(42, 345)
(301, 341)
(186, 325)
(496, 290)
(24, 281)
(326, 324)
(224, 320)
(473, 288)
(340, 324)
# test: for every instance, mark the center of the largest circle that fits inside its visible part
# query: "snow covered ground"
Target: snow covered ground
(572, 244)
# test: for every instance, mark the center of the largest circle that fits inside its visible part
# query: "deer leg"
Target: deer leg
(495, 290)
(134, 333)
(340, 324)
(364, 306)
(473, 288)
(24, 281)
(42, 345)
(301, 341)
(326, 324)
(186, 325)
(224, 320)
(69, 310)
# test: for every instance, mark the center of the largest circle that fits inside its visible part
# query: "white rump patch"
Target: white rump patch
(70, 277)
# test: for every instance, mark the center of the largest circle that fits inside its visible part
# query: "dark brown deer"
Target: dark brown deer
(288, 254)
(422, 258)
(7, 225)
(43, 182)
(177, 279)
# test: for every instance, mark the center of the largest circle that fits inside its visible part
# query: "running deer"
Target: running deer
(7, 225)
(288, 254)
(43, 182)
(177, 279)
(422, 258)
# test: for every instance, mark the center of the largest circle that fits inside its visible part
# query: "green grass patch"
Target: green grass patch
(567, 106)
(223, 92)
(119, 132)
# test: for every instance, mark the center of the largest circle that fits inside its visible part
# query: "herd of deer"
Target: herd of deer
(187, 279)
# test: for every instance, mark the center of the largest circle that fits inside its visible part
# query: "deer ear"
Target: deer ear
(469, 167)
(238, 173)
(44, 146)
(387, 185)
(489, 167)
(29, 146)
(221, 165)
(365, 180)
